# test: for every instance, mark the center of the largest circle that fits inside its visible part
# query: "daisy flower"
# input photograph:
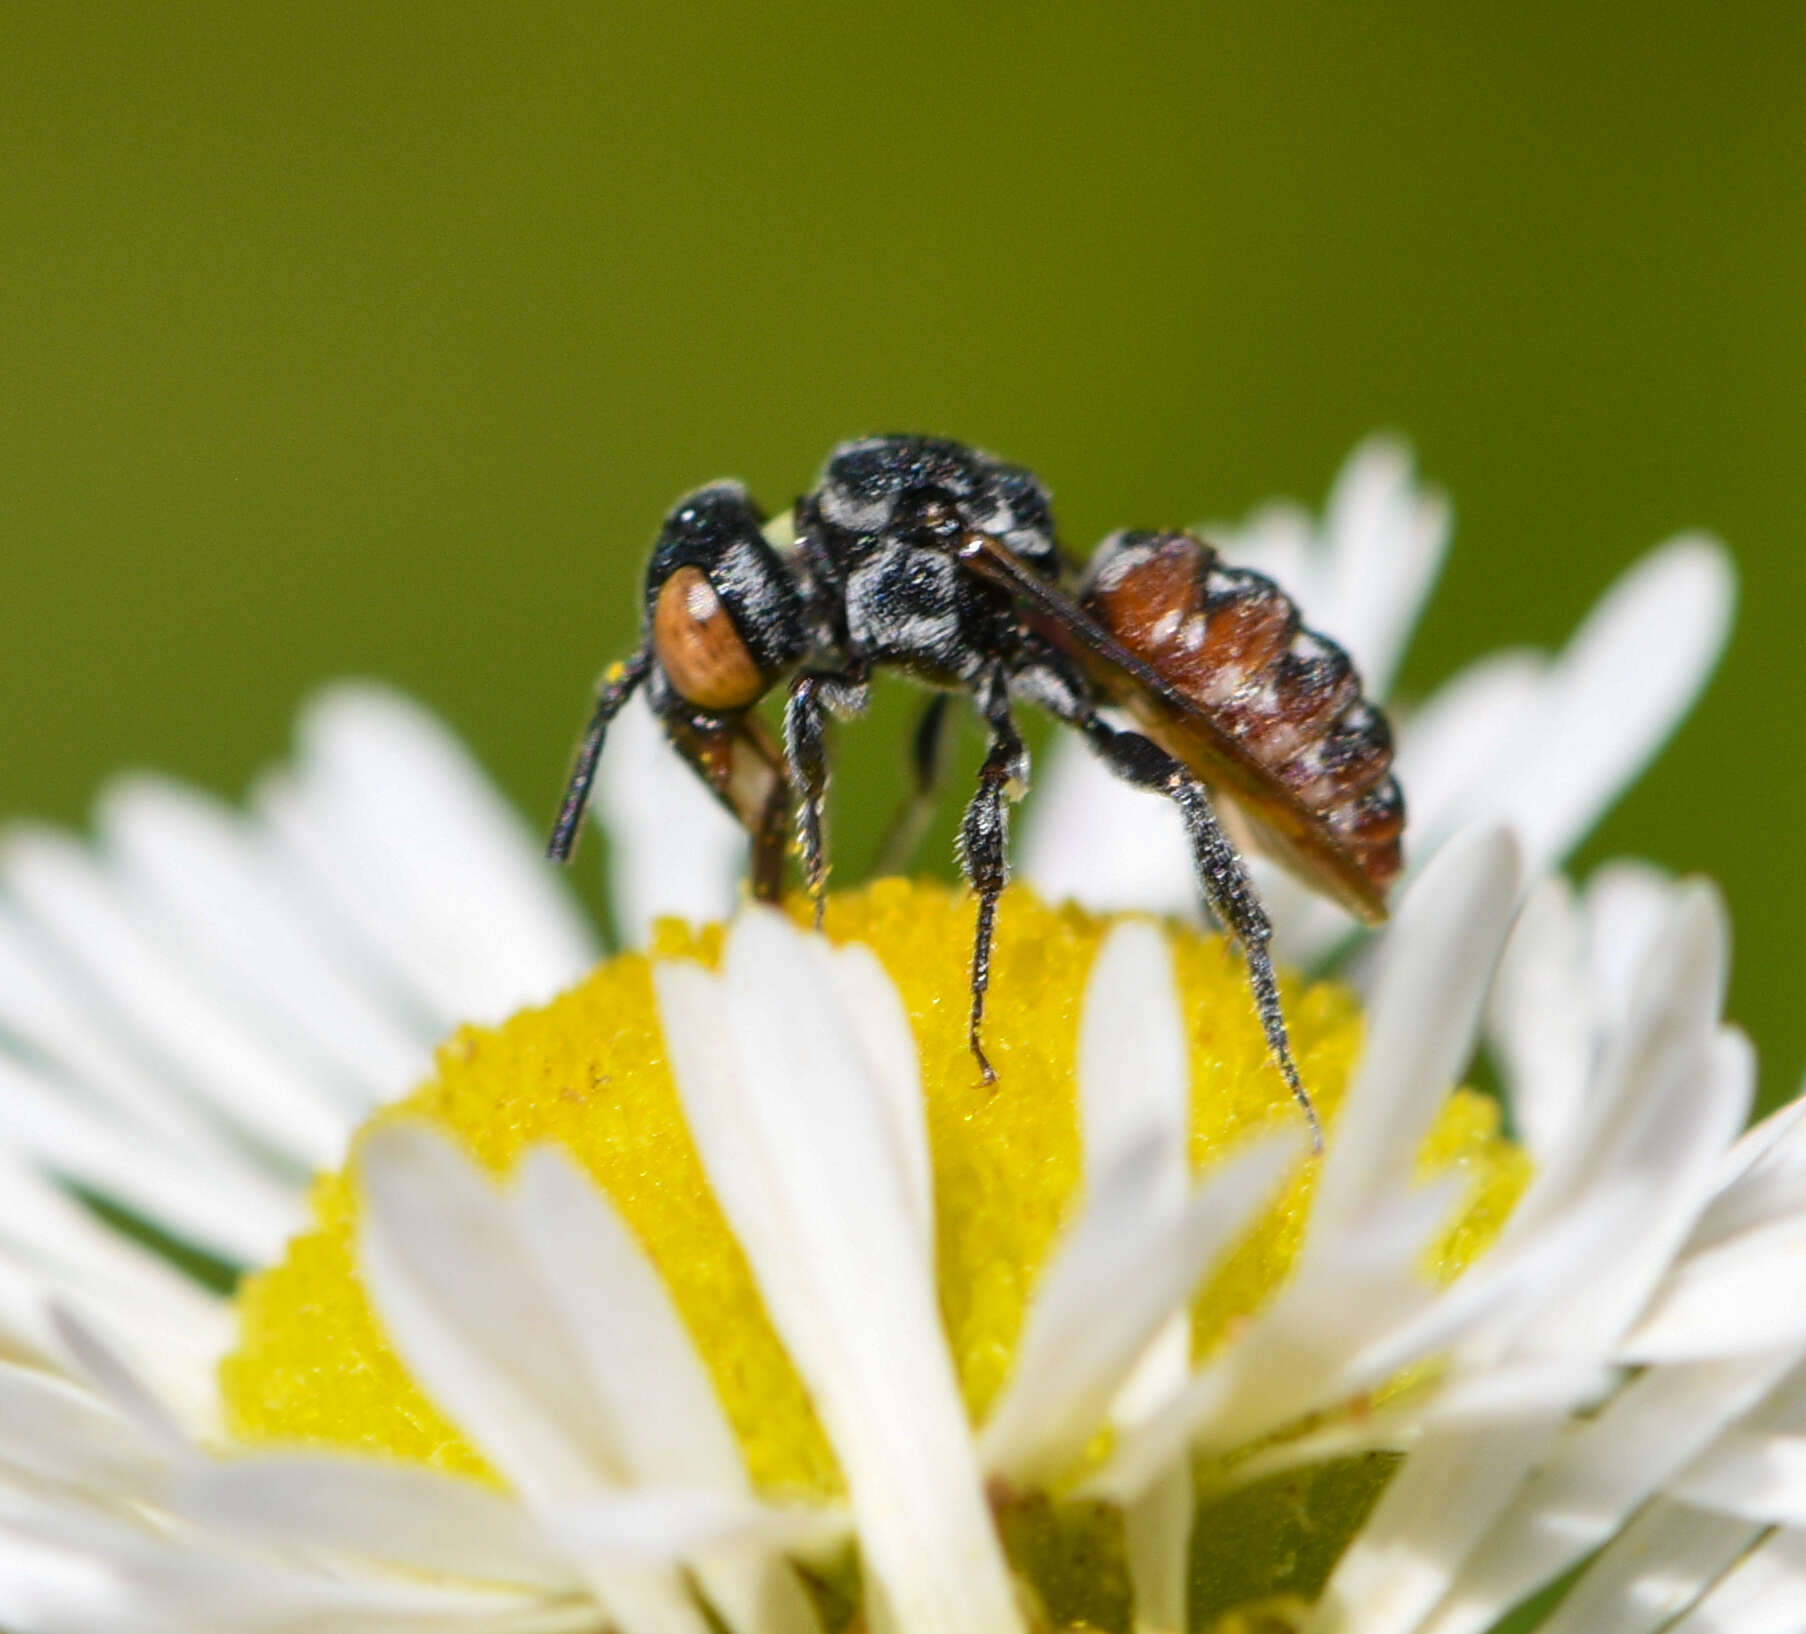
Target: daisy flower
(376, 1258)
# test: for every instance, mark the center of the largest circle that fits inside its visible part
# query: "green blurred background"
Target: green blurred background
(377, 339)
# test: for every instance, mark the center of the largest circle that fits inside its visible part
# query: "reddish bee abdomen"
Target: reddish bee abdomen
(1231, 641)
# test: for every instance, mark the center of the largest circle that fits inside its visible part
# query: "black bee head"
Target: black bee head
(722, 607)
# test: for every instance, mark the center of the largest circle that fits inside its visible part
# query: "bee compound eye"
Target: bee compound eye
(699, 647)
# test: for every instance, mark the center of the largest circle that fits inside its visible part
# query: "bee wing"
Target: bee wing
(1278, 824)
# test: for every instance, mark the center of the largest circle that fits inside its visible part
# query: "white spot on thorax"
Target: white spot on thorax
(855, 515)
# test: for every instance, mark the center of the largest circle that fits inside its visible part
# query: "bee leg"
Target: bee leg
(617, 686)
(984, 842)
(814, 695)
(927, 765)
(740, 761)
(771, 824)
(1225, 881)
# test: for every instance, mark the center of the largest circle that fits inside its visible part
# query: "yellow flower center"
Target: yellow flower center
(588, 1071)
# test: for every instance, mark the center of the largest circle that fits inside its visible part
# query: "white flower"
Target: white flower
(197, 1012)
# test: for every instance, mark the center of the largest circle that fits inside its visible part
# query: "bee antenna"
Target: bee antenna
(618, 685)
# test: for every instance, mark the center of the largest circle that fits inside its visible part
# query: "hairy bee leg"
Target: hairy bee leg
(984, 837)
(1225, 882)
(928, 766)
(617, 686)
(1232, 899)
(814, 695)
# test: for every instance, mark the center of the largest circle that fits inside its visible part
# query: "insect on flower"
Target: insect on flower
(939, 561)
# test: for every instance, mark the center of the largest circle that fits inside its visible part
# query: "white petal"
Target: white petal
(874, 1010)
(794, 1133)
(1387, 542)
(671, 1525)
(173, 1332)
(1749, 1473)
(1513, 1276)
(1279, 538)
(673, 850)
(215, 885)
(1540, 1017)
(1762, 1178)
(230, 1213)
(1515, 1391)
(1626, 906)
(398, 1514)
(1679, 1096)
(1673, 1002)
(43, 1008)
(1524, 1390)
(1289, 1358)
(1362, 578)
(139, 1583)
(1122, 1270)
(1776, 1139)
(1764, 1593)
(1090, 838)
(96, 1099)
(69, 1248)
(466, 1312)
(1357, 1279)
(111, 1376)
(1600, 1470)
(1621, 686)
(53, 1431)
(1436, 962)
(1157, 1540)
(244, 1081)
(1427, 1520)
(666, 1422)
(1670, 1025)
(1133, 1072)
(469, 1318)
(1456, 743)
(43, 1588)
(1651, 1571)
(665, 1419)
(1745, 1294)
(1666, 1162)
(404, 837)
(1134, 1081)
(652, 1599)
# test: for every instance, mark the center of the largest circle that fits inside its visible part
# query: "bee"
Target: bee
(933, 559)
